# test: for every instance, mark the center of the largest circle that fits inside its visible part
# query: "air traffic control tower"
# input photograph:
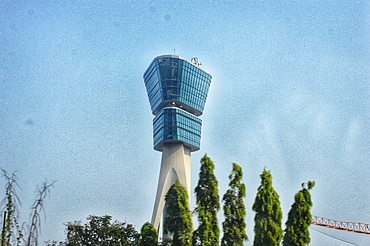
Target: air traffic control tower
(177, 91)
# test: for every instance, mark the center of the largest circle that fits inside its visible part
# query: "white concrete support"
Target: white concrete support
(176, 164)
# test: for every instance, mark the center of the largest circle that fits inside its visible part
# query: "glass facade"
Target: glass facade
(176, 125)
(177, 91)
(172, 79)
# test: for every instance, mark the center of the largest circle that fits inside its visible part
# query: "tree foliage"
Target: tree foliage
(12, 231)
(99, 230)
(234, 210)
(149, 235)
(55, 243)
(178, 219)
(165, 242)
(207, 200)
(299, 218)
(267, 220)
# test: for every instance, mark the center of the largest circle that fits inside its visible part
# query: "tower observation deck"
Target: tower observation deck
(177, 91)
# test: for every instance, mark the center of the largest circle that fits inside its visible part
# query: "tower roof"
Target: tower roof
(178, 57)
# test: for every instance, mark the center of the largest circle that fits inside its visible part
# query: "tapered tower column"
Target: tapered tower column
(177, 91)
(175, 164)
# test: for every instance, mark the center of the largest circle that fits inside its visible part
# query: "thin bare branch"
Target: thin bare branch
(37, 207)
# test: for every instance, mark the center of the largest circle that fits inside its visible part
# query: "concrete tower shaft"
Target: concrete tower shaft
(175, 164)
(177, 91)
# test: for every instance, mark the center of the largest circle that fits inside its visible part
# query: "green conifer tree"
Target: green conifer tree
(267, 221)
(299, 218)
(234, 210)
(149, 235)
(208, 203)
(178, 220)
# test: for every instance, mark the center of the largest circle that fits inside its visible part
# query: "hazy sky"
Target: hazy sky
(290, 92)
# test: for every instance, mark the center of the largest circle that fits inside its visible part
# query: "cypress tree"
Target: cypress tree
(207, 200)
(149, 235)
(267, 221)
(234, 210)
(299, 218)
(178, 220)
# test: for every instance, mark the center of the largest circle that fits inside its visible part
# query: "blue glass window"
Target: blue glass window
(177, 91)
(173, 124)
(173, 79)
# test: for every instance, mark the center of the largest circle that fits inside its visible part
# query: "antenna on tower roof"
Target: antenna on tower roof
(174, 51)
(196, 62)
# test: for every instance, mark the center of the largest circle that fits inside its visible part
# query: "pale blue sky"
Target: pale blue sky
(290, 92)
